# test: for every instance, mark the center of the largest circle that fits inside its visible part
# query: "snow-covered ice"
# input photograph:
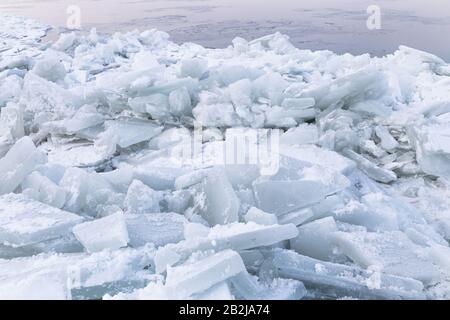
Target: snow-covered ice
(132, 167)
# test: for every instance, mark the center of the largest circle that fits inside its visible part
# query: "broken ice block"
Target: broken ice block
(369, 213)
(142, 199)
(296, 217)
(85, 117)
(298, 103)
(11, 121)
(74, 183)
(157, 228)
(281, 197)
(216, 115)
(388, 142)
(194, 67)
(106, 233)
(365, 84)
(50, 67)
(235, 236)
(221, 205)
(248, 288)
(84, 276)
(41, 285)
(432, 144)
(25, 221)
(319, 156)
(260, 217)
(219, 291)
(157, 105)
(314, 240)
(336, 280)
(372, 108)
(288, 118)
(189, 279)
(46, 190)
(131, 131)
(371, 169)
(20, 161)
(180, 102)
(303, 134)
(391, 252)
(65, 244)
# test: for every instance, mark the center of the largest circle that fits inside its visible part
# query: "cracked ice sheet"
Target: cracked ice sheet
(237, 236)
(66, 273)
(25, 221)
(19, 36)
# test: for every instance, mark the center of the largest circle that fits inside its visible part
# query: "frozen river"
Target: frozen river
(338, 25)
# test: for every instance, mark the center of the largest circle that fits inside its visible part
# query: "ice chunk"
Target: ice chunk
(157, 105)
(314, 240)
(20, 161)
(180, 102)
(73, 182)
(195, 230)
(106, 233)
(216, 115)
(392, 252)
(50, 67)
(120, 179)
(219, 291)
(319, 156)
(12, 122)
(288, 118)
(25, 221)
(388, 142)
(41, 285)
(47, 191)
(335, 280)
(432, 148)
(142, 199)
(260, 217)
(85, 117)
(64, 244)
(157, 228)
(365, 84)
(369, 214)
(372, 108)
(132, 131)
(281, 197)
(372, 170)
(297, 217)
(189, 279)
(170, 137)
(298, 103)
(233, 236)
(228, 74)
(194, 67)
(65, 41)
(248, 288)
(303, 134)
(83, 276)
(219, 203)
(241, 93)
(370, 147)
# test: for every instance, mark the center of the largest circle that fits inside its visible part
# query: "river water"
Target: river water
(338, 25)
